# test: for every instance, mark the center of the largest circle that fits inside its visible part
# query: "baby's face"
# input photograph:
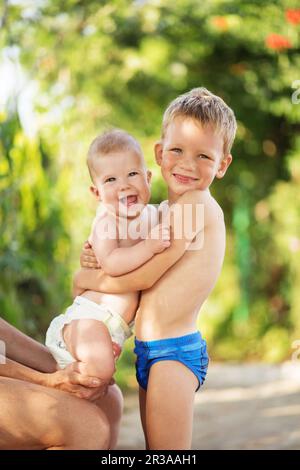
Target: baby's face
(123, 182)
(190, 156)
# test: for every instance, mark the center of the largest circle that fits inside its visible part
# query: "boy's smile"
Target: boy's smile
(190, 156)
(184, 179)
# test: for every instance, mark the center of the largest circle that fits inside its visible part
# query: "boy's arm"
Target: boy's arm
(116, 261)
(145, 276)
(140, 279)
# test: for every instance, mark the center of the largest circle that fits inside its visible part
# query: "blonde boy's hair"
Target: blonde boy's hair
(208, 109)
(115, 140)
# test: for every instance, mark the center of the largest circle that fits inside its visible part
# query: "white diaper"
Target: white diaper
(83, 308)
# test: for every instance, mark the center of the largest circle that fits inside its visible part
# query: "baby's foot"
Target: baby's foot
(116, 350)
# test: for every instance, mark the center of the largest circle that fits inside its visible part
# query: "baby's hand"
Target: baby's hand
(158, 239)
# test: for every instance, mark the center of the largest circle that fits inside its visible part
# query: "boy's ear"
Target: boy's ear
(149, 176)
(95, 191)
(158, 149)
(223, 165)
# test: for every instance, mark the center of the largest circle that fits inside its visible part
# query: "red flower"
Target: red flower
(220, 22)
(293, 16)
(278, 42)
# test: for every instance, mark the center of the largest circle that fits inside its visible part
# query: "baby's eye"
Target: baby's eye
(133, 173)
(176, 150)
(110, 180)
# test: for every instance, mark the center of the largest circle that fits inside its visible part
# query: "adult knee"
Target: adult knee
(116, 405)
(88, 429)
(117, 402)
(98, 434)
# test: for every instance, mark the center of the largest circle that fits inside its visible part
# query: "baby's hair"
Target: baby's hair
(208, 109)
(115, 140)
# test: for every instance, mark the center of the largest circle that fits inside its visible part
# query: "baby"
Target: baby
(91, 333)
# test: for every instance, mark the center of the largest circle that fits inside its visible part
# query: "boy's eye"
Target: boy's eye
(133, 173)
(110, 180)
(176, 150)
(202, 155)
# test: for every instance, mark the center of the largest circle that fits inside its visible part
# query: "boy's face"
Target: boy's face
(122, 182)
(190, 156)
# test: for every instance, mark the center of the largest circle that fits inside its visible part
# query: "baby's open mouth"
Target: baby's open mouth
(129, 201)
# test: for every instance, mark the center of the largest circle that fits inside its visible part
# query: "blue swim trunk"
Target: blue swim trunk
(190, 350)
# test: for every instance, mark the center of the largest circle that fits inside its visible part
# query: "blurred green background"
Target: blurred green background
(69, 69)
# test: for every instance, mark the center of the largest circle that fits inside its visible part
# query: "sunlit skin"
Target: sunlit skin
(42, 408)
(177, 282)
(122, 182)
(190, 156)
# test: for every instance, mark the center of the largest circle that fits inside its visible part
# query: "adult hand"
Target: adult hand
(71, 381)
(88, 258)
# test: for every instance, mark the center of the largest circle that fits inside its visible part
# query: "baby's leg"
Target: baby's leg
(169, 406)
(90, 343)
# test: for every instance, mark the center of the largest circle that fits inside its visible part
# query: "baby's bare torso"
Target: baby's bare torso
(126, 304)
(170, 308)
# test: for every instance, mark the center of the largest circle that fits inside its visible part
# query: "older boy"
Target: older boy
(197, 136)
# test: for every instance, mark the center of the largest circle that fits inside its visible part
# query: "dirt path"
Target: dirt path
(252, 406)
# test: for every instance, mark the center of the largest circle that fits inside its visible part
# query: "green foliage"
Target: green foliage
(33, 241)
(119, 63)
(125, 375)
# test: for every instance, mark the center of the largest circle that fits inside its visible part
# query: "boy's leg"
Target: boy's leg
(90, 343)
(169, 410)
(143, 401)
(36, 417)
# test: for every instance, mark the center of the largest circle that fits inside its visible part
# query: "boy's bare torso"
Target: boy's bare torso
(171, 306)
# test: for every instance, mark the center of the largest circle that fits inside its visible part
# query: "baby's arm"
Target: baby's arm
(115, 260)
(90, 344)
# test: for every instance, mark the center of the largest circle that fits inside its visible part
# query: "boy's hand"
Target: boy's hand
(158, 239)
(88, 258)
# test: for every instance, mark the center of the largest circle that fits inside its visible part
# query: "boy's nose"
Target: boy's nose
(187, 164)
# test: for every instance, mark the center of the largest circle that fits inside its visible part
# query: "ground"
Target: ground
(249, 406)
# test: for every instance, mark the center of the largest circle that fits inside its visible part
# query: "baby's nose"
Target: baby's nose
(124, 184)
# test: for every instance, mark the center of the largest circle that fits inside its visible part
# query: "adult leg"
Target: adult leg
(112, 406)
(169, 406)
(36, 417)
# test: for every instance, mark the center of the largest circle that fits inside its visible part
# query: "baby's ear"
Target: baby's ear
(158, 150)
(95, 191)
(223, 166)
